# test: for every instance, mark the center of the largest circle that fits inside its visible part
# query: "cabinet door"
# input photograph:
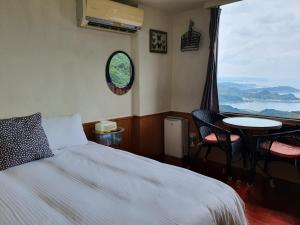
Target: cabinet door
(173, 138)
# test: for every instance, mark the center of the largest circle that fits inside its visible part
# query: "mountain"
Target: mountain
(230, 98)
(239, 92)
(265, 112)
(229, 108)
(274, 112)
(277, 89)
(271, 96)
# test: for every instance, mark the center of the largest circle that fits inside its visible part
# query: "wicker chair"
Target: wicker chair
(284, 145)
(212, 135)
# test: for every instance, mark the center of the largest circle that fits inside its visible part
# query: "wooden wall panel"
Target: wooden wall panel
(150, 134)
(136, 134)
(89, 129)
(192, 127)
(126, 123)
(143, 135)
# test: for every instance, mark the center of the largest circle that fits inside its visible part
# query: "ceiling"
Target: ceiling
(173, 5)
(169, 5)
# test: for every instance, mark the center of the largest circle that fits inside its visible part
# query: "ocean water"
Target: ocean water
(259, 106)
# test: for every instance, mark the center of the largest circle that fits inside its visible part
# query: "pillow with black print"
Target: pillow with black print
(22, 140)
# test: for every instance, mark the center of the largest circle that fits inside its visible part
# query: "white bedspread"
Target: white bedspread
(97, 185)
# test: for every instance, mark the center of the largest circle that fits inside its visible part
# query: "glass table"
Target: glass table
(252, 123)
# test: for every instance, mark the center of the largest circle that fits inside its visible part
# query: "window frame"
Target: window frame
(284, 120)
(111, 85)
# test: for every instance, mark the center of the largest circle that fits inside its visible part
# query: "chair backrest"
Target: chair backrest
(204, 119)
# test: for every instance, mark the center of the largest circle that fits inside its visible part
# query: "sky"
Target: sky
(260, 39)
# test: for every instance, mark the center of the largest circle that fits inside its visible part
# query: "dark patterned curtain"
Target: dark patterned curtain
(210, 100)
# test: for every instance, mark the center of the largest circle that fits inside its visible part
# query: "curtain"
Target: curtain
(210, 100)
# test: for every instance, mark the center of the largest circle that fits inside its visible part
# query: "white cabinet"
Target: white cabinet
(176, 136)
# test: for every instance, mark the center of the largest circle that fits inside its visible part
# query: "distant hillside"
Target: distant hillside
(239, 92)
(278, 89)
(268, 95)
(230, 98)
(229, 108)
(273, 112)
(266, 112)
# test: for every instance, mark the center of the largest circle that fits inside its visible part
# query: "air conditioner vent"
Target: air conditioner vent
(107, 24)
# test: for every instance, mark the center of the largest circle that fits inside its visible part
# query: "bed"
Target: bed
(97, 185)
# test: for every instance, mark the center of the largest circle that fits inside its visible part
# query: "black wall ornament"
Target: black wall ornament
(190, 41)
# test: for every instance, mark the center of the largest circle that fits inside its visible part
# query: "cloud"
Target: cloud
(260, 38)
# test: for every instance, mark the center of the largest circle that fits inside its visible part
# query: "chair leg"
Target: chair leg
(245, 147)
(194, 159)
(252, 168)
(228, 164)
(244, 155)
(266, 164)
(297, 165)
(207, 152)
(266, 171)
(271, 183)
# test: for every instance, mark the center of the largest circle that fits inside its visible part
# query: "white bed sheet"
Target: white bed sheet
(97, 185)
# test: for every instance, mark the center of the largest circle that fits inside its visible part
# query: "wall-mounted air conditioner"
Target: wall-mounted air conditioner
(106, 14)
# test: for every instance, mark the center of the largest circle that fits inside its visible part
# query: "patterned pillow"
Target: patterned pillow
(22, 140)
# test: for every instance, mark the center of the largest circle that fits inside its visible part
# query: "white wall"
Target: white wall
(49, 64)
(174, 81)
(189, 68)
(152, 91)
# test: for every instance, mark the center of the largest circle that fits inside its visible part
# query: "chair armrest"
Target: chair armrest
(216, 128)
(278, 134)
(265, 141)
(221, 116)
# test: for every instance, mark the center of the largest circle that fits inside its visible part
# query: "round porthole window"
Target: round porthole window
(119, 72)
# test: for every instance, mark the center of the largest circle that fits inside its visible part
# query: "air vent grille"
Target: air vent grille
(94, 22)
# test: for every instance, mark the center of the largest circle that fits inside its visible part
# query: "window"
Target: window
(259, 58)
(119, 73)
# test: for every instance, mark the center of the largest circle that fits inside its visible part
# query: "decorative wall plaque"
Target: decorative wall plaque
(119, 73)
(190, 41)
(158, 41)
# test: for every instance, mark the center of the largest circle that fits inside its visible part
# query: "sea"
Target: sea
(261, 105)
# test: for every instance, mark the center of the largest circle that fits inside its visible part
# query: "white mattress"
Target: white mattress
(97, 185)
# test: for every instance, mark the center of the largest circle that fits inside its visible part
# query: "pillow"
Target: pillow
(22, 140)
(64, 131)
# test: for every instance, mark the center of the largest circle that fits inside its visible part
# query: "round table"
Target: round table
(254, 124)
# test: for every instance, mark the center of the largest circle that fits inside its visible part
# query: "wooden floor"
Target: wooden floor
(264, 205)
